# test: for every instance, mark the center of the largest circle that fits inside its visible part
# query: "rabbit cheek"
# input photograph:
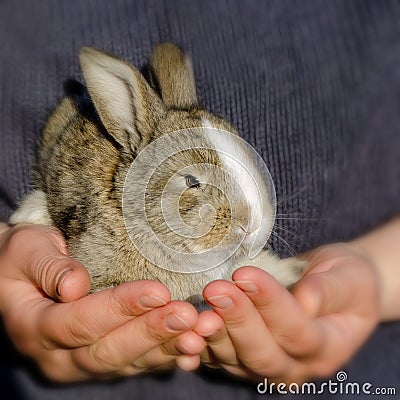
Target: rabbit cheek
(219, 230)
(189, 208)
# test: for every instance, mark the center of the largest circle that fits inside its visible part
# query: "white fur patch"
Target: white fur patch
(237, 162)
(33, 209)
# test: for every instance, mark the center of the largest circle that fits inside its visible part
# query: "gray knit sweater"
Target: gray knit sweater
(314, 86)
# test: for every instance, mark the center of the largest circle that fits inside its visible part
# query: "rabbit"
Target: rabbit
(87, 148)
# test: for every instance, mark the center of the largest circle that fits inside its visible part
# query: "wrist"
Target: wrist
(381, 247)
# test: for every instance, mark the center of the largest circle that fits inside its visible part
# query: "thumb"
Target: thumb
(327, 292)
(39, 255)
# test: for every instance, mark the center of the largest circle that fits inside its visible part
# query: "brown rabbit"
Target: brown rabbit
(83, 186)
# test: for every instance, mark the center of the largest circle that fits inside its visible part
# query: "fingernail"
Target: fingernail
(220, 301)
(184, 349)
(176, 323)
(150, 301)
(246, 286)
(61, 279)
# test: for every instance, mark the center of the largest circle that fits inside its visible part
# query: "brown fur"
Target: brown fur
(83, 163)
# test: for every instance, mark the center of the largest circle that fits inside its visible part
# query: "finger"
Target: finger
(188, 343)
(292, 329)
(132, 340)
(86, 320)
(188, 362)
(38, 254)
(184, 362)
(220, 348)
(209, 324)
(323, 293)
(253, 342)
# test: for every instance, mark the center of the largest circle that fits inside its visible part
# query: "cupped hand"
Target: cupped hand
(73, 336)
(259, 329)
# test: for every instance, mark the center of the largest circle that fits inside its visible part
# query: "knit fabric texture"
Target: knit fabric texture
(314, 86)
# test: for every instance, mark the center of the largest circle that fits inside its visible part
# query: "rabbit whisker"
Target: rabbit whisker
(285, 243)
(289, 197)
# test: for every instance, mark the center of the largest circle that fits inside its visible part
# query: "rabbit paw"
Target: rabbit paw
(287, 271)
(33, 209)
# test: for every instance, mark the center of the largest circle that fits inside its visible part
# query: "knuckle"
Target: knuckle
(152, 332)
(103, 354)
(71, 332)
(48, 271)
(25, 235)
(44, 268)
(117, 305)
(75, 329)
(78, 332)
(167, 351)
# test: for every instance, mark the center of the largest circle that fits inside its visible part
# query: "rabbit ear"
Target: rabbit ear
(174, 76)
(128, 107)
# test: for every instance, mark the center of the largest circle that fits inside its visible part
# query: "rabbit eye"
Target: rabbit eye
(192, 181)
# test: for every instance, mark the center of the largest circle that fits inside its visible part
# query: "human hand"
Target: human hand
(259, 329)
(117, 332)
